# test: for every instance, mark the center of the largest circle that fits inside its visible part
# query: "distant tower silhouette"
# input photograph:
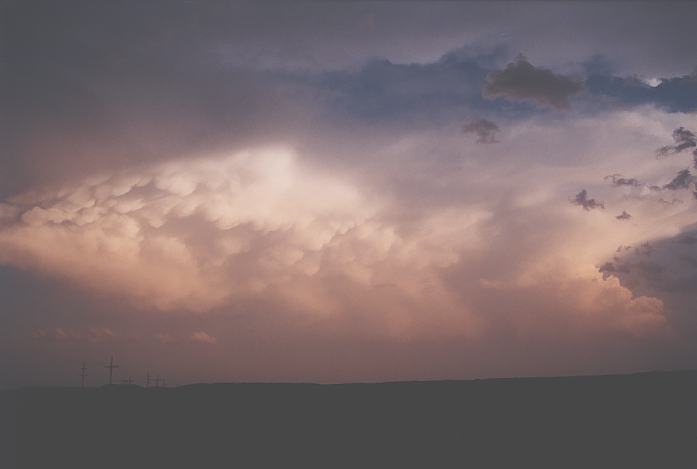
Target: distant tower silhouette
(83, 373)
(147, 379)
(157, 381)
(111, 367)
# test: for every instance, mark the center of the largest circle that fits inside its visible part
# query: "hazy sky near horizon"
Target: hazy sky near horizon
(343, 191)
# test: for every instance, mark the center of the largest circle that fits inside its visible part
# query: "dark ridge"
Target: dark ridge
(612, 421)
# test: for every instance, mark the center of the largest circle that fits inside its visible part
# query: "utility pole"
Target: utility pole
(111, 367)
(83, 373)
(147, 379)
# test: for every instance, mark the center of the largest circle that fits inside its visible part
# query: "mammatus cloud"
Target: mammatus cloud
(485, 130)
(191, 234)
(582, 200)
(522, 81)
(255, 226)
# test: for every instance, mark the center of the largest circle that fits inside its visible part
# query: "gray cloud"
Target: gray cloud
(624, 215)
(485, 130)
(582, 200)
(676, 94)
(673, 201)
(619, 180)
(683, 138)
(670, 273)
(522, 81)
(683, 180)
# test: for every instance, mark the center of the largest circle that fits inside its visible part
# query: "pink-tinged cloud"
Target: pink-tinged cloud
(204, 338)
(324, 261)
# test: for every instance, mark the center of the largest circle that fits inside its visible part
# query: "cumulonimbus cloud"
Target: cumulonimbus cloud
(194, 234)
(197, 235)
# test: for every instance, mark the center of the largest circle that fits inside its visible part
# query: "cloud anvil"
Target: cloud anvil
(336, 192)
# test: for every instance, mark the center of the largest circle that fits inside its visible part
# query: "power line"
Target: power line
(83, 373)
(111, 367)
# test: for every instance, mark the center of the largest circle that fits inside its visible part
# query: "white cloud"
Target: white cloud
(412, 249)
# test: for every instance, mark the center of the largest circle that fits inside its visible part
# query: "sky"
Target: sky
(346, 191)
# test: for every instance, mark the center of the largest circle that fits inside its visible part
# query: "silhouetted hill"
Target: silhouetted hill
(624, 421)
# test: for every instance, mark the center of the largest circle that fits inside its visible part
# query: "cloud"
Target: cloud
(619, 180)
(676, 94)
(683, 138)
(522, 81)
(485, 130)
(204, 338)
(190, 234)
(683, 180)
(381, 90)
(582, 200)
(669, 272)
(296, 255)
(624, 215)
(91, 334)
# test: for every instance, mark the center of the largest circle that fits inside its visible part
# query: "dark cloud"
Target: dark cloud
(619, 180)
(613, 267)
(689, 238)
(522, 81)
(677, 94)
(485, 130)
(683, 180)
(669, 273)
(382, 89)
(624, 215)
(582, 200)
(683, 138)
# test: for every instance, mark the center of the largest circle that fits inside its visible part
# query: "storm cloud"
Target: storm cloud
(241, 191)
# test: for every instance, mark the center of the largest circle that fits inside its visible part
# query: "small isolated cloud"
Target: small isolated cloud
(682, 180)
(202, 337)
(673, 201)
(684, 139)
(91, 334)
(485, 130)
(165, 338)
(582, 200)
(618, 180)
(522, 81)
(623, 216)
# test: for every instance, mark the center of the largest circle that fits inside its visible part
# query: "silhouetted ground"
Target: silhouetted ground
(629, 421)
